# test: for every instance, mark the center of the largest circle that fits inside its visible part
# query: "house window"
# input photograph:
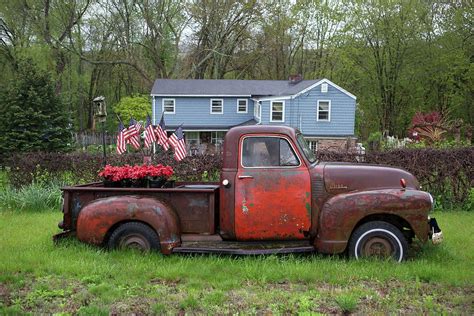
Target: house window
(278, 111)
(217, 106)
(268, 152)
(313, 145)
(217, 137)
(256, 110)
(168, 106)
(241, 105)
(324, 111)
(192, 142)
(324, 87)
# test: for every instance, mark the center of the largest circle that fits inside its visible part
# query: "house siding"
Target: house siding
(301, 113)
(195, 111)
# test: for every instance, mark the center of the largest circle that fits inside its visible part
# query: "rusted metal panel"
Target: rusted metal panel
(272, 203)
(195, 207)
(226, 203)
(341, 213)
(342, 177)
(245, 248)
(97, 218)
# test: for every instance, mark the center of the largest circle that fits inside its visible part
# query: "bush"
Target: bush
(447, 174)
(80, 167)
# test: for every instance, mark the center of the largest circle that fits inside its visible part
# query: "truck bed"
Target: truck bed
(195, 203)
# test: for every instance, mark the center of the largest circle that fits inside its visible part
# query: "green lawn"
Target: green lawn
(39, 277)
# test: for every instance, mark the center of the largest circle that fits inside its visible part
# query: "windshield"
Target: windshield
(307, 151)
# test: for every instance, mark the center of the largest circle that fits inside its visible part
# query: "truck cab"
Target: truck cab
(273, 197)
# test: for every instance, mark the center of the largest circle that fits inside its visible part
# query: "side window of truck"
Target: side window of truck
(268, 152)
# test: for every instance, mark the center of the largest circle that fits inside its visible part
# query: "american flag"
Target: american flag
(121, 145)
(132, 134)
(150, 136)
(177, 142)
(162, 137)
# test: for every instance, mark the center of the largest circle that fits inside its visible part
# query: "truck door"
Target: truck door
(272, 190)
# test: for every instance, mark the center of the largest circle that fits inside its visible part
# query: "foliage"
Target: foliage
(32, 197)
(397, 57)
(33, 117)
(137, 106)
(433, 127)
(71, 277)
(347, 302)
(80, 167)
(446, 173)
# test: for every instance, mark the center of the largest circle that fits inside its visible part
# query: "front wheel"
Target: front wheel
(378, 239)
(134, 235)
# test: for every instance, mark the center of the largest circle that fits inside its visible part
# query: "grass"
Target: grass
(74, 278)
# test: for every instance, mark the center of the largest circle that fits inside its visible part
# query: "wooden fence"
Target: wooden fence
(88, 138)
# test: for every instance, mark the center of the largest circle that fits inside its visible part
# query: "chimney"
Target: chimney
(294, 79)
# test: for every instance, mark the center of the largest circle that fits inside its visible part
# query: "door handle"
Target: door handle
(245, 177)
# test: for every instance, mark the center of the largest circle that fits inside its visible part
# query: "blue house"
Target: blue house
(323, 111)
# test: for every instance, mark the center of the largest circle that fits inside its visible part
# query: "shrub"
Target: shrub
(448, 174)
(80, 167)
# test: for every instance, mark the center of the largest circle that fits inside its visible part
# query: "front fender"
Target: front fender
(97, 218)
(341, 213)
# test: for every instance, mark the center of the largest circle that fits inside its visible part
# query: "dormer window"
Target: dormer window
(324, 87)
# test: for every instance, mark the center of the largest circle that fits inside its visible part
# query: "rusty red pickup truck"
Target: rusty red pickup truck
(273, 197)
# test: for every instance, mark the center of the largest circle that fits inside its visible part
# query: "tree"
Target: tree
(33, 117)
(137, 106)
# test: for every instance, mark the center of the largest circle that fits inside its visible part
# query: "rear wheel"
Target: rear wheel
(378, 239)
(134, 235)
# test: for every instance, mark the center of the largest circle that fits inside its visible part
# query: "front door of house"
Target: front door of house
(272, 190)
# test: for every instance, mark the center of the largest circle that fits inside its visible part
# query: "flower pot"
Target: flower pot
(111, 184)
(156, 183)
(169, 184)
(139, 183)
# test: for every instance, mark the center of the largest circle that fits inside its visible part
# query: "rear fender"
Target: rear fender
(341, 214)
(97, 218)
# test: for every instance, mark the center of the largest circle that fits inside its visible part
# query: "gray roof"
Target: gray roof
(221, 87)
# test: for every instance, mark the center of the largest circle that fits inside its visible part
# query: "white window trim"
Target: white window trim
(283, 110)
(210, 106)
(329, 110)
(163, 105)
(246, 106)
(324, 87)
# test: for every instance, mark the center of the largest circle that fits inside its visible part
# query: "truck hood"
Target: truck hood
(346, 177)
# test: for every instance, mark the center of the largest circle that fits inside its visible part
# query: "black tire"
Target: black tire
(134, 235)
(378, 239)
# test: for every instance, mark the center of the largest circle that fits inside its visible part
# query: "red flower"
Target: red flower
(114, 173)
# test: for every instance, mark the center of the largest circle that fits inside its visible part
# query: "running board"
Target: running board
(244, 248)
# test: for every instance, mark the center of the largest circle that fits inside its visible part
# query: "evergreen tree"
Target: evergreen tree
(33, 117)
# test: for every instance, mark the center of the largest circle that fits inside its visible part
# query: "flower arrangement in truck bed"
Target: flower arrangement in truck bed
(136, 176)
